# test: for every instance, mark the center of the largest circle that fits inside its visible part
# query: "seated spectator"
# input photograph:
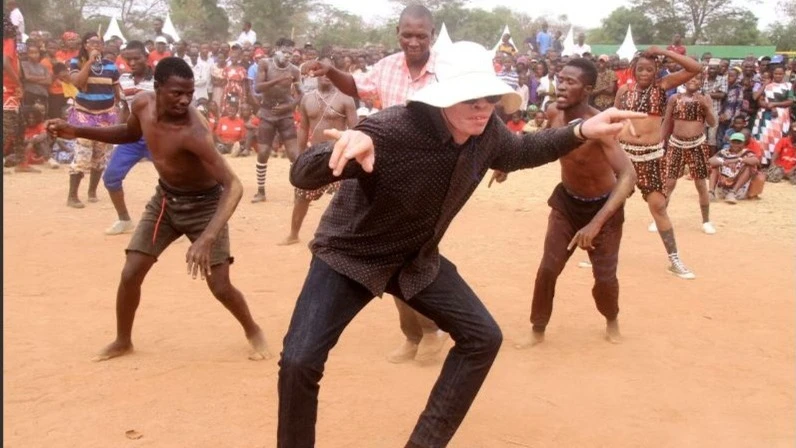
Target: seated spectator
(738, 125)
(538, 123)
(37, 143)
(230, 131)
(783, 161)
(732, 171)
(516, 124)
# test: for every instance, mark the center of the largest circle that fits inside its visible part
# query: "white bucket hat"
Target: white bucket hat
(464, 72)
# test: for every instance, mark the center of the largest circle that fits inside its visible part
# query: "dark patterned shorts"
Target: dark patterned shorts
(692, 152)
(648, 163)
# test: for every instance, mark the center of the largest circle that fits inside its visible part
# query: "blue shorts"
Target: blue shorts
(123, 159)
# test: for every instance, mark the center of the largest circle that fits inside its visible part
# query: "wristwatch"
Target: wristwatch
(577, 129)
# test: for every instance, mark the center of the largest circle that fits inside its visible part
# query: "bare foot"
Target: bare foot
(260, 350)
(114, 350)
(430, 346)
(404, 353)
(535, 338)
(93, 198)
(612, 334)
(74, 203)
(259, 197)
(289, 240)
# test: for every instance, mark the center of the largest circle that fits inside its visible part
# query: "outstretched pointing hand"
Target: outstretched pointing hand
(350, 145)
(609, 123)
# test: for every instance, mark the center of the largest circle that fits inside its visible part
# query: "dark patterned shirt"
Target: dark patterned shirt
(390, 222)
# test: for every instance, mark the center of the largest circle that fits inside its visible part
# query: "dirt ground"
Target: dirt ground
(704, 363)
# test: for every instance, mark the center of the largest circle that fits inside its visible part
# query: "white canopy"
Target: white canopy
(168, 28)
(443, 39)
(500, 39)
(628, 49)
(569, 43)
(113, 30)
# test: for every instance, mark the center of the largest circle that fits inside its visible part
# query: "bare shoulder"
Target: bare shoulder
(141, 101)
(199, 127)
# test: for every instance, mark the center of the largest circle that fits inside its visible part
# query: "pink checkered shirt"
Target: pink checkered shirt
(390, 81)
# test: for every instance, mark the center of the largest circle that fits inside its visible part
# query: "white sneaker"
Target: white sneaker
(730, 198)
(652, 227)
(584, 264)
(708, 228)
(679, 269)
(53, 164)
(120, 227)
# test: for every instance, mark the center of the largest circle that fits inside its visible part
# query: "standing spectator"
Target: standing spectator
(57, 96)
(715, 87)
(71, 47)
(733, 103)
(161, 51)
(677, 45)
(506, 46)
(12, 99)
(205, 55)
(36, 79)
(150, 46)
(236, 85)
(255, 98)
(508, 74)
(17, 19)
(605, 87)
(158, 27)
(624, 74)
(773, 117)
(248, 34)
(98, 83)
(217, 80)
(201, 73)
(181, 50)
(558, 44)
(544, 40)
(547, 86)
(581, 47)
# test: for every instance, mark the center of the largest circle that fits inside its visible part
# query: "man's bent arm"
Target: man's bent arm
(626, 180)
(343, 81)
(532, 150)
(129, 132)
(311, 169)
(218, 167)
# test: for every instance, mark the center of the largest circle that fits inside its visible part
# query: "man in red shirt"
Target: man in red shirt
(784, 159)
(161, 51)
(516, 123)
(71, 48)
(12, 99)
(230, 131)
(677, 45)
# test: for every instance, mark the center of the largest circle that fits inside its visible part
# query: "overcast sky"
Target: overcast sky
(585, 13)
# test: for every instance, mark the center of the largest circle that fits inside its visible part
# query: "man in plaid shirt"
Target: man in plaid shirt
(391, 82)
(714, 86)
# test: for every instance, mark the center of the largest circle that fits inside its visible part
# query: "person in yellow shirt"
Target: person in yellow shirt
(506, 46)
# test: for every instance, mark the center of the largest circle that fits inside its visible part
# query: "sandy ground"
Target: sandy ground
(705, 363)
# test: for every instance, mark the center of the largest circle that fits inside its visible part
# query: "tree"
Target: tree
(432, 5)
(697, 14)
(614, 27)
(736, 29)
(783, 34)
(199, 19)
(272, 19)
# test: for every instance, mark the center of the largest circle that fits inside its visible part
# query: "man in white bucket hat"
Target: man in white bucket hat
(416, 167)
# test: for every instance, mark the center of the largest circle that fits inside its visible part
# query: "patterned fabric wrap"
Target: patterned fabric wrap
(89, 154)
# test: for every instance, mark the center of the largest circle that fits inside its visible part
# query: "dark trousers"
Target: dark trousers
(562, 225)
(329, 301)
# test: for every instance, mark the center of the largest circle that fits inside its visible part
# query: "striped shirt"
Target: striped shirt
(390, 81)
(130, 88)
(98, 95)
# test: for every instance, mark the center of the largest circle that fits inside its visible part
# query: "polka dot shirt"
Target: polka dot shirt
(390, 222)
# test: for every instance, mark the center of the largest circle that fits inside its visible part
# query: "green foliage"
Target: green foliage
(614, 27)
(734, 29)
(199, 19)
(670, 16)
(783, 33)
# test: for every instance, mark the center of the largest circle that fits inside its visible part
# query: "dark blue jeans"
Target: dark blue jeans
(327, 304)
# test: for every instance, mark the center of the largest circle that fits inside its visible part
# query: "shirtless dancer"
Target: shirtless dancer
(324, 108)
(275, 79)
(646, 148)
(587, 207)
(196, 196)
(685, 119)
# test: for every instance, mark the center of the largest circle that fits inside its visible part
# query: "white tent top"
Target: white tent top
(113, 30)
(168, 28)
(569, 43)
(443, 39)
(628, 49)
(500, 39)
